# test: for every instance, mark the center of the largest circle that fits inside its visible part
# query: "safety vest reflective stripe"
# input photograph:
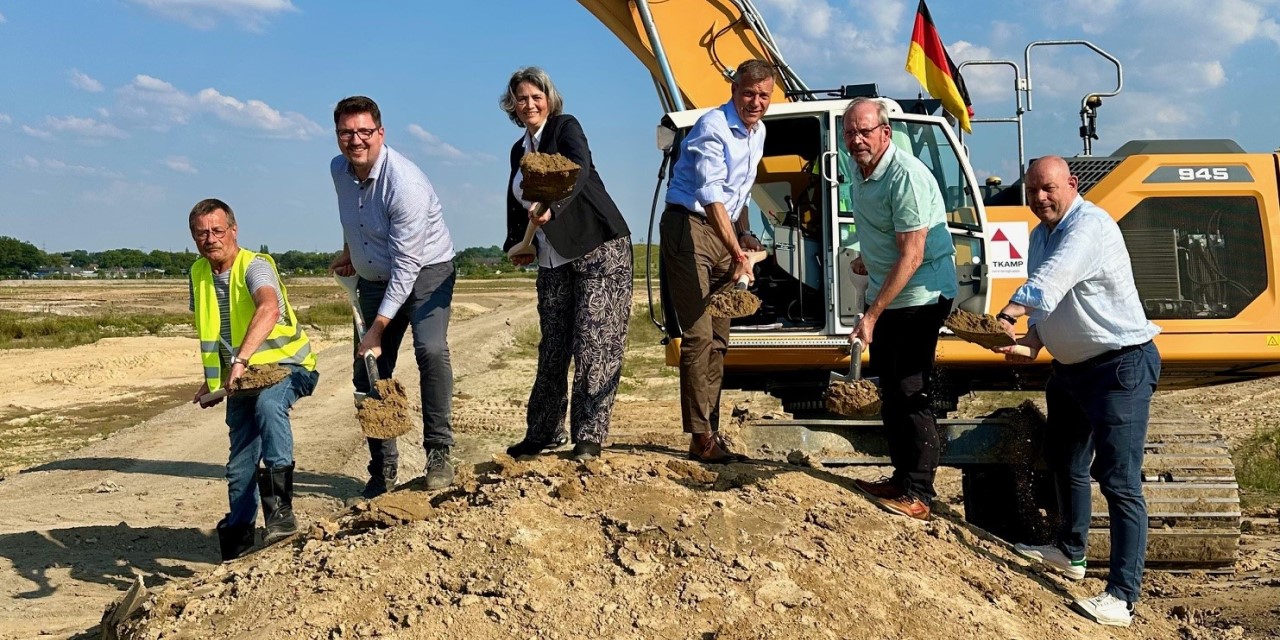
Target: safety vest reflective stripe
(287, 343)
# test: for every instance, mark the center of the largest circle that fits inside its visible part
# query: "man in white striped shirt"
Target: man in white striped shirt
(395, 239)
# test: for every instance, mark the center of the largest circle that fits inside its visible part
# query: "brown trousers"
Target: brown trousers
(695, 263)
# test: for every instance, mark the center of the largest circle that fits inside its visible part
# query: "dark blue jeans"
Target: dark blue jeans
(260, 430)
(426, 312)
(1097, 425)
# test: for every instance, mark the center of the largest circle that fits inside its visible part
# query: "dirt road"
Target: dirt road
(75, 530)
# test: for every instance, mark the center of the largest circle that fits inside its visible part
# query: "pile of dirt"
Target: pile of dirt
(257, 377)
(388, 416)
(733, 303)
(547, 177)
(636, 545)
(857, 399)
(981, 330)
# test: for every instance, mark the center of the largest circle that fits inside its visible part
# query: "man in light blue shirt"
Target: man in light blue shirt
(1082, 305)
(909, 258)
(701, 254)
(395, 239)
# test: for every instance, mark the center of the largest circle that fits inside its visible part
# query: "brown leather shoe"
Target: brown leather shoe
(712, 449)
(882, 488)
(909, 506)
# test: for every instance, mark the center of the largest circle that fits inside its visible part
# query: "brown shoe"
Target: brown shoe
(882, 488)
(712, 449)
(909, 506)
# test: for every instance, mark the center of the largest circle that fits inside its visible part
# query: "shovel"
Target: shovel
(549, 186)
(525, 246)
(210, 398)
(855, 364)
(370, 361)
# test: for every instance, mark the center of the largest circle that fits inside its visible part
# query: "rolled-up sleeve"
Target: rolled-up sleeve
(1070, 262)
(706, 146)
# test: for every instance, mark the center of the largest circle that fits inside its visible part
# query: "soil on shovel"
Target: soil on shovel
(984, 331)
(857, 399)
(388, 417)
(733, 303)
(548, 177)
(258, 377)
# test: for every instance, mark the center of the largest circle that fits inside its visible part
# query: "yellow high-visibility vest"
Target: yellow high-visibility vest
(286, 344)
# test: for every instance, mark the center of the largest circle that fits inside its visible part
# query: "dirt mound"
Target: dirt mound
(733, 303)
(257, 377)
(985, 331)
(389, 416)
(635, 545)
(548, 177)
(857, 399)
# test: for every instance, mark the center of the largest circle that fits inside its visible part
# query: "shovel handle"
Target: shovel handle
(525, 246)
(371, 371)
(212, 397)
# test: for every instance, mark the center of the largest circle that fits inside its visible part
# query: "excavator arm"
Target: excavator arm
(691, 46)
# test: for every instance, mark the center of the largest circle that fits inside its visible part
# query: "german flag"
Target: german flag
(928, 61)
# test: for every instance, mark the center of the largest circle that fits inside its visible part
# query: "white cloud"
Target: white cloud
(161, 105)
(3, 19)
(37, 133)
(120, 192)
(434, 146)
(83, 128)
(5, 119)
(82, 81)
(181, 164)
(251, 15)
(58, 167)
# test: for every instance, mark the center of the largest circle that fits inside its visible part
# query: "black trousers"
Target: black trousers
(902, 352)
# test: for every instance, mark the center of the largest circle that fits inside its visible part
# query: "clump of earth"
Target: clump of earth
(257, 377)
(857, 399)
(547, 177)
(733, 303)
(983, 330)
(388, 416)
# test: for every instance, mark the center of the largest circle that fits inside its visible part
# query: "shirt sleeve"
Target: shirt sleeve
(706, 148)
(259, 275)
(412, 204)
(1069, 263)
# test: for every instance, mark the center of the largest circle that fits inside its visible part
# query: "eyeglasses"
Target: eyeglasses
(862, 133)
(204, 234)
(348, 134)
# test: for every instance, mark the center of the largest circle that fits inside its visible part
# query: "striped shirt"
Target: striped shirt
(717, 163)
(259, 274)
(392, 223)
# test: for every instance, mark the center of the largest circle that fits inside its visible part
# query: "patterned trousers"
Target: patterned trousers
(583, 310)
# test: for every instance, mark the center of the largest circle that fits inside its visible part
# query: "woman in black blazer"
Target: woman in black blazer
(584, 276)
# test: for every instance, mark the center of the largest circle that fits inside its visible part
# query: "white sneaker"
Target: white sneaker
(1051, 555)
(1107, 609)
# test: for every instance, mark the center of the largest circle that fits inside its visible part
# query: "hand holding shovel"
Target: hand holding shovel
(546, 178)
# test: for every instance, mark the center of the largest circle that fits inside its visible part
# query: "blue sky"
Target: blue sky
(117, 115)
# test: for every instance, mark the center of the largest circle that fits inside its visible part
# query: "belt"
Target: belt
(1098, 359)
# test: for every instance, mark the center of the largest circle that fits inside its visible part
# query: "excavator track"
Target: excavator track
(1193, 500)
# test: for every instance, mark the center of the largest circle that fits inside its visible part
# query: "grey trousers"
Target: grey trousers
(583, 311)
(426, 312)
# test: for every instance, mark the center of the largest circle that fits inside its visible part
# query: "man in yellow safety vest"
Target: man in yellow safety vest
(243, 317)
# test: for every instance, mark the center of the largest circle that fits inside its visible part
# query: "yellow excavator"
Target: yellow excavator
(1199, 218)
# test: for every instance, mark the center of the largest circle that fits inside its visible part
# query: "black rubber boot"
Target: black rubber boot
(234, 541)
(275, 488)
(380, 483)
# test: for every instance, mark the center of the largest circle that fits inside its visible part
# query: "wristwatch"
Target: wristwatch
(1006, 317)
(235, 360)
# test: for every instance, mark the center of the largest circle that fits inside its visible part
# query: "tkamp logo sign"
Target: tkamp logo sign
(1007, 245)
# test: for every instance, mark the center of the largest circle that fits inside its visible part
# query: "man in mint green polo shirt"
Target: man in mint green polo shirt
(909, 258)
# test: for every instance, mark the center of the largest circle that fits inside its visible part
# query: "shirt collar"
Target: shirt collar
(735, 121)
(885, 159)
(1075, 206)
(536, 139)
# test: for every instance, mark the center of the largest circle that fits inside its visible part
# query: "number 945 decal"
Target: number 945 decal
(1227, 173)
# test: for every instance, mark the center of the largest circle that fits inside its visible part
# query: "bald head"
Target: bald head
(1051, 189)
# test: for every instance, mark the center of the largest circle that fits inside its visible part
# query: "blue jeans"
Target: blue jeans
(260, 430)
(1097, 425)
(426, 313)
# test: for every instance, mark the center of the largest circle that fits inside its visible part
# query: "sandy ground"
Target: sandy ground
(641, 545)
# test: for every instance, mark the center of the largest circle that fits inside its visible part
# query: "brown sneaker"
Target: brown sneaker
(712, 449)
(909, 506)
(882, 488)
